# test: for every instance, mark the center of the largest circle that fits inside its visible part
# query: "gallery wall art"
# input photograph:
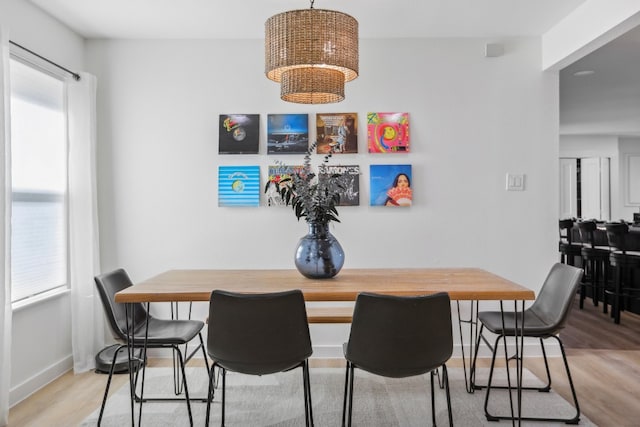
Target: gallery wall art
(388, 132)
(287, 133)
(336, 133)
(239, 134)
(390, 185)
(279, 176)
(238, 186)
(350, 194)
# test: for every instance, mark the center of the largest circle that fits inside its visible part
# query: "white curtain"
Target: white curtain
(87, 316)
(5, 231)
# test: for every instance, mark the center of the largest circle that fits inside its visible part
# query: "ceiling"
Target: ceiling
(244, 19)
(612, 92)
(606, 102)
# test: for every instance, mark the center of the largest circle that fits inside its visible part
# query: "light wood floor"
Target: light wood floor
(604, 360)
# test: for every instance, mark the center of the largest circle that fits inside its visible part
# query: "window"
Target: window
(39, 182)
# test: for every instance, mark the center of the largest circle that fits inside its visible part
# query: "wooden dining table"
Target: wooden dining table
(472, 284)
(462, 284)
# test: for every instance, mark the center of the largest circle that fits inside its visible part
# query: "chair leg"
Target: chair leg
(576, 418)
(445, 377)
(546, 367)
(351, 374)
(472, 375)
(308, 406)
(224, 381)
(177, 381)
(135, 384)
(486, 397)
(306, 397)
(346, 392)
(204, 352)
(594, 282)
(106, 390)
(184, 381)
(573, 420)
(436, 372)
(615, 309)
(210, 394)
(583, 285)
(605, 285)
(433, 400)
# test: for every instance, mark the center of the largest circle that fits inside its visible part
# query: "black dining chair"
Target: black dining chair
(595, 262)
(399, 337)
(569, 248)
(544, 319)
(259, 334)
(626, 263)
(148, 332)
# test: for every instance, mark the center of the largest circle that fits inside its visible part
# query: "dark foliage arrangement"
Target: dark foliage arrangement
(312, 196)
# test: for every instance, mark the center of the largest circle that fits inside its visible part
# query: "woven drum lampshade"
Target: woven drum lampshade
(311, 53)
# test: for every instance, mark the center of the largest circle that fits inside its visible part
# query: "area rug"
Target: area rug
(277, 400)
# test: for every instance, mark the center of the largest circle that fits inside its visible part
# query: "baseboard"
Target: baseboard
(21, 391)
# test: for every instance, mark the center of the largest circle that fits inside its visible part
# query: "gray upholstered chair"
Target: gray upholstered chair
(259, 334)
(544, 319)
(161, 333)
(399, 337)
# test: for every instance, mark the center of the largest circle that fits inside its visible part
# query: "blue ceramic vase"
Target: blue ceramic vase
(318, 254)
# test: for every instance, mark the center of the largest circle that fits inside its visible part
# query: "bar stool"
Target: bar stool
(595, 261)
(567, 248)
(624, 262)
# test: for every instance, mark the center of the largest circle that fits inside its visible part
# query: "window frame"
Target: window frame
(30, 60)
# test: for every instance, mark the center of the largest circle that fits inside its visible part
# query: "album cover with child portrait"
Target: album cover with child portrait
(391, 185)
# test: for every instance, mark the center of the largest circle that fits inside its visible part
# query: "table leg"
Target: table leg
(177, 379)
(130, 359)
(520, 358)
(144, 359)
(135, 363)
(469, 380)
(519, 348)
(506, 360)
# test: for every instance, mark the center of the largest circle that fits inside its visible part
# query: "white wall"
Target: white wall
(606, 146)
(580, 146)
(35, 30)
(472, 120)
(628, 145)
(41, 344)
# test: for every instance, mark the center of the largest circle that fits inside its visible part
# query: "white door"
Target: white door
(594, 188)
(605, 190)
(590, 188)
(568, 188)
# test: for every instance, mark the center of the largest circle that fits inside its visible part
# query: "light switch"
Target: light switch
(515, 182)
